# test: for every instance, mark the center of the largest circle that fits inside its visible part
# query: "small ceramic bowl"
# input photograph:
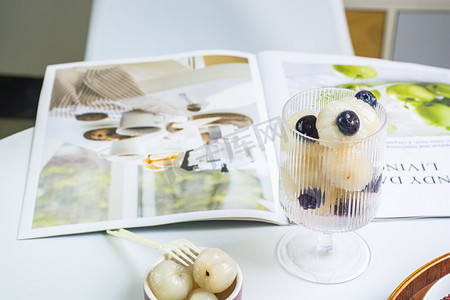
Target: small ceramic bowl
(234, 292)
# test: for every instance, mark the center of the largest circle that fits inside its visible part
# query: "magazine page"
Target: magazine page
(144, 142)
(416, 176)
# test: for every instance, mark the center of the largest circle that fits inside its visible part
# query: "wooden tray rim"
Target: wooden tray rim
(396, 293)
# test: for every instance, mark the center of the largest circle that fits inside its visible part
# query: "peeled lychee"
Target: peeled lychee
(214, 270)
(170, 281)
(201, 294)
(328, 128)
(347, 169)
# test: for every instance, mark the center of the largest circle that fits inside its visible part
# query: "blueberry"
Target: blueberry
(311, 198)
(367, 97)
(348, 122)
(307, 126)
(341, 209)
(374, 185)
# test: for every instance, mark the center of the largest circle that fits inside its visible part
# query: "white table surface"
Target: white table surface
(98, 266)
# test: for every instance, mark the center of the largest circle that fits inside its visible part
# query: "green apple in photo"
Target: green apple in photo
(445, 101)
(359, 87)
(435, 113)
(410, 93)
(440, 89)
(354, 86)
(355, 72)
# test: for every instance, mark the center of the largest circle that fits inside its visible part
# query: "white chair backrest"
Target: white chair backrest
(135, 28)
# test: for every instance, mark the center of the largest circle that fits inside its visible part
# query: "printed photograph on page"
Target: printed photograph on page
(149, 139)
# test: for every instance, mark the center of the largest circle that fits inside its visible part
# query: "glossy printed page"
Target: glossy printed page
(416, 173)
(147, 142)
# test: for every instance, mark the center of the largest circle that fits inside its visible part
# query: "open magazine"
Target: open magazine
(194, 136)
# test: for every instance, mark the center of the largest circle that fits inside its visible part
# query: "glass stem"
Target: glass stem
(325, 244)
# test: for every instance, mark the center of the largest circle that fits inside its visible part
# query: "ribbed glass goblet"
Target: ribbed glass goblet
(329, 187)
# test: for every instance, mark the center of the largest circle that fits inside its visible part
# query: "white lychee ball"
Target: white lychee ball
(201, 294)
(170, 281)
(328, 129)
(214, 270)
(326, 123)
(367, 115)
(298, 115)
(351, 175)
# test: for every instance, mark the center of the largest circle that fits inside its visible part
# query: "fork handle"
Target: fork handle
(128, 235)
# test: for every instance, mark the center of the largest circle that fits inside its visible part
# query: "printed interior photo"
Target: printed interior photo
(147, 139)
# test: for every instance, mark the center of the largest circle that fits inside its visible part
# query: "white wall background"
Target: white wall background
(415, 30)
(423, 36)
(36, 33)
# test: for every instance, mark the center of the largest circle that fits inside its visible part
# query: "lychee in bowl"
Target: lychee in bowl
(234, 292)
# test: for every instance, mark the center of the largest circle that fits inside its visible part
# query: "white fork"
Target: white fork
(181, 250)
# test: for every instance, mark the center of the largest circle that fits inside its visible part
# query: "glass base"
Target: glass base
(300, 254)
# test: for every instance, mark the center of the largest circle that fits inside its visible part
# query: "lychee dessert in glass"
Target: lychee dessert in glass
(331, 157)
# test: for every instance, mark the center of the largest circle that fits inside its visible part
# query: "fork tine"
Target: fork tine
(176, 257)
(186, 247)
(188, 251)
(183, 255)
(191, 245)
(179, 257)
(174, 249)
